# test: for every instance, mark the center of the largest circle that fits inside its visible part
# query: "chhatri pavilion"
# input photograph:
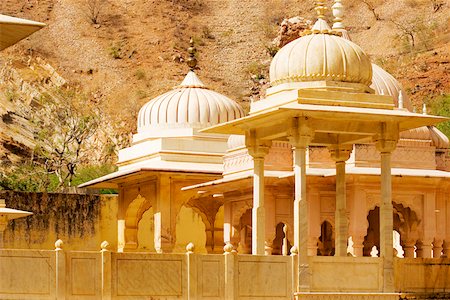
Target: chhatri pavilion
(333, 162)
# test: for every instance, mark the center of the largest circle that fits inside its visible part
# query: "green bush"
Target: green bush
(441, 107)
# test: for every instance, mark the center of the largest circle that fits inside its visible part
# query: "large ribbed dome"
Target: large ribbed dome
(385, 83)
(190, 104)
(321, 56)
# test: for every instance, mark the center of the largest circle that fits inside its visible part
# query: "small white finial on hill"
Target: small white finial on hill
(424, 109)
(400, 99)
(338, 14)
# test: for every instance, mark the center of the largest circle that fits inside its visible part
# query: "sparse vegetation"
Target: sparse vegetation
(139, 74)
(437, 5)
(272, 49)
(10, 95)
(414, 34)
(256, 70)
(115, 50)
(372, 6)
(92, 10)
(206, 33)
(441, 107)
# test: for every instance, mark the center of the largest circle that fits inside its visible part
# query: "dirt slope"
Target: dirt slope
(136, 50)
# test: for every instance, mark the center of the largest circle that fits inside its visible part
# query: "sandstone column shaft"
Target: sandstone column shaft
(386, 222)
(301, 216)
(258, 211)
(341, 221)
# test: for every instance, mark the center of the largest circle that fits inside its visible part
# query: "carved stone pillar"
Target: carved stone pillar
(386, 146)
(437, 248)
(300, 139)
(408, 248)
(162, 216)
(340, 154)
(258, 150)
(358, 245)
(424, 248)
(358, 219)
(446, 249)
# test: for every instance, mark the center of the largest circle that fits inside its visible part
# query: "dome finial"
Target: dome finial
(320, 9)
(400, 99)
(192, 61)
(424, 108)
(338, 14)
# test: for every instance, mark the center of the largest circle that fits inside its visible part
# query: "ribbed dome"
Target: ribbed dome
(385, 83)
(190, 104)
(321, 56)
(428, 133)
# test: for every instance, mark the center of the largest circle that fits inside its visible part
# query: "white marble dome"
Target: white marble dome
(189, 105)
(321, 56)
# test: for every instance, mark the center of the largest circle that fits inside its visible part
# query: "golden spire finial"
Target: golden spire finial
(320, 9)
(191, 61)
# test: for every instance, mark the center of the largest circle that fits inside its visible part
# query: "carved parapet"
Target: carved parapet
(319, 157)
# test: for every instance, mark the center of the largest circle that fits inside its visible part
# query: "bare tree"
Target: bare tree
(436, 5)
(93, 8)
(62, 125)
(407, 31)
(372, 6)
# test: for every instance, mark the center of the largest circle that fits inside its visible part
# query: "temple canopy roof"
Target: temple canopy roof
(190, 105)
(13, 30)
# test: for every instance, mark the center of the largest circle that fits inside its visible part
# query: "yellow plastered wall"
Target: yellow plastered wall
(146, 240)
(24, 234)
(190, 229)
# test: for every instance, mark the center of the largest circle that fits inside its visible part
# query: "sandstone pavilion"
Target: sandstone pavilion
(332, 169)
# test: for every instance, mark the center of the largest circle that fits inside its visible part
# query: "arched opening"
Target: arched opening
(145, 235)
(245, 233)
(405, 231)
(281, 240)
(133, 215)
(397, 244)
(326, 240)
(190, 229)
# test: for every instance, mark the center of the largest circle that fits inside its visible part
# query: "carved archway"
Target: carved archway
(326, 246)
(190, 227)
(406, 223)
(281, 236)
(207, 208)
(133, 215)
(245, 232)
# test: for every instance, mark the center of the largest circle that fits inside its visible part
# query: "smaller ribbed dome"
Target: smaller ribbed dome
(385, 83)
(321, 56)
(189, 105)
(440, 140)
(428, 133)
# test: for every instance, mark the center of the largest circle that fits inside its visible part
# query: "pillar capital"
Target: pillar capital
(386, 140)
(257, 148)
(340, 153)
(386, 145)
(300, 134)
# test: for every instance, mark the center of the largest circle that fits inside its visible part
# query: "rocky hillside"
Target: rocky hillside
(121, 53)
